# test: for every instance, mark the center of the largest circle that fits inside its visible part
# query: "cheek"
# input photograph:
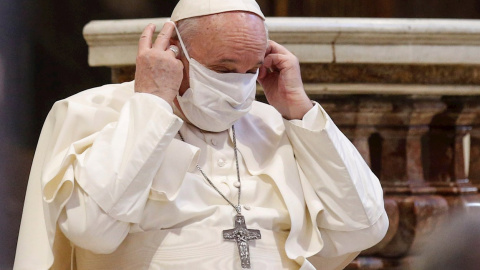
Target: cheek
(185, 81)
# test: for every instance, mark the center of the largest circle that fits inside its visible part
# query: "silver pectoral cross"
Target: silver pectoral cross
(242, 235)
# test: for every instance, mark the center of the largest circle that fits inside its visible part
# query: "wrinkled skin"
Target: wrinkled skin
(231, 42)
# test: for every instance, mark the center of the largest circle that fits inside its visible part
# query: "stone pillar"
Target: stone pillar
(474, 153)
(394, 151)
(474, 166)
(415, 169)
(461, 152)
(369, 116)
(402, 130)
(451, 136)
(360, 139)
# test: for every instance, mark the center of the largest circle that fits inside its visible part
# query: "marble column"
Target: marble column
(402, 130)
(474, 166)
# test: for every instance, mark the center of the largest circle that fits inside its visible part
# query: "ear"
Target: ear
(174, 41)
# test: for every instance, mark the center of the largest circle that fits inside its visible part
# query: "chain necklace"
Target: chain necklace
(240, 234)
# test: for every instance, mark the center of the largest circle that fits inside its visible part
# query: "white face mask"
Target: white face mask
(214, 100)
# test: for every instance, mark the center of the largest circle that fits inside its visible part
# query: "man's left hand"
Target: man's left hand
(282, 82)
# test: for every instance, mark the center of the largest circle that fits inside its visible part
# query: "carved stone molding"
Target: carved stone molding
(321, 40)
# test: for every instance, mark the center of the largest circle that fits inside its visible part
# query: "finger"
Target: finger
(275, 62)
(262, 73)
(269, 48)
(274, 47)
(163, 39)
(175, 50)
(145, 42)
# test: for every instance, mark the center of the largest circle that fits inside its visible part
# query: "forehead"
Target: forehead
(231, 35)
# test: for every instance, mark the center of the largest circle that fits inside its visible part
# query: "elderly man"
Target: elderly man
(182, 169)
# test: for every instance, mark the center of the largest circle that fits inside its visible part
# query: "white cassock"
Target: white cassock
(111, 173)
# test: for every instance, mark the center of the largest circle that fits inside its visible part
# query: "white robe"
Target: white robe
(334, 202)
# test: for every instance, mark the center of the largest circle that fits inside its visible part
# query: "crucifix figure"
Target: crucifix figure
(242, 235)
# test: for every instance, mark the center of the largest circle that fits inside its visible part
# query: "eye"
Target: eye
(222, 70)
(253, 71)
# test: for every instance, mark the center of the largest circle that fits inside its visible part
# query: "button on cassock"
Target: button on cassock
(214, 142)
(221, 162)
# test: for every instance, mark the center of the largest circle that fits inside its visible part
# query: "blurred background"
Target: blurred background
(43, 58)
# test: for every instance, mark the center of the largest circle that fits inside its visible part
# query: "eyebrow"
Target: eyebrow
(226, 60)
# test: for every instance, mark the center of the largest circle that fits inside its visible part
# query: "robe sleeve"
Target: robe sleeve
(117, 169)
(97, 181)
(87, 129)
(343, 196)
(116, 165)
(87, 226)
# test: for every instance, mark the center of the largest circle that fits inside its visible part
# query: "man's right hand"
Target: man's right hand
(158, 70)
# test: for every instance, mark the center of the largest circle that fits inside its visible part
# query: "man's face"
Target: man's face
(232, 42)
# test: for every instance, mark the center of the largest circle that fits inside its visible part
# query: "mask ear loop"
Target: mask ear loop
(184, 51)
(181, 43)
